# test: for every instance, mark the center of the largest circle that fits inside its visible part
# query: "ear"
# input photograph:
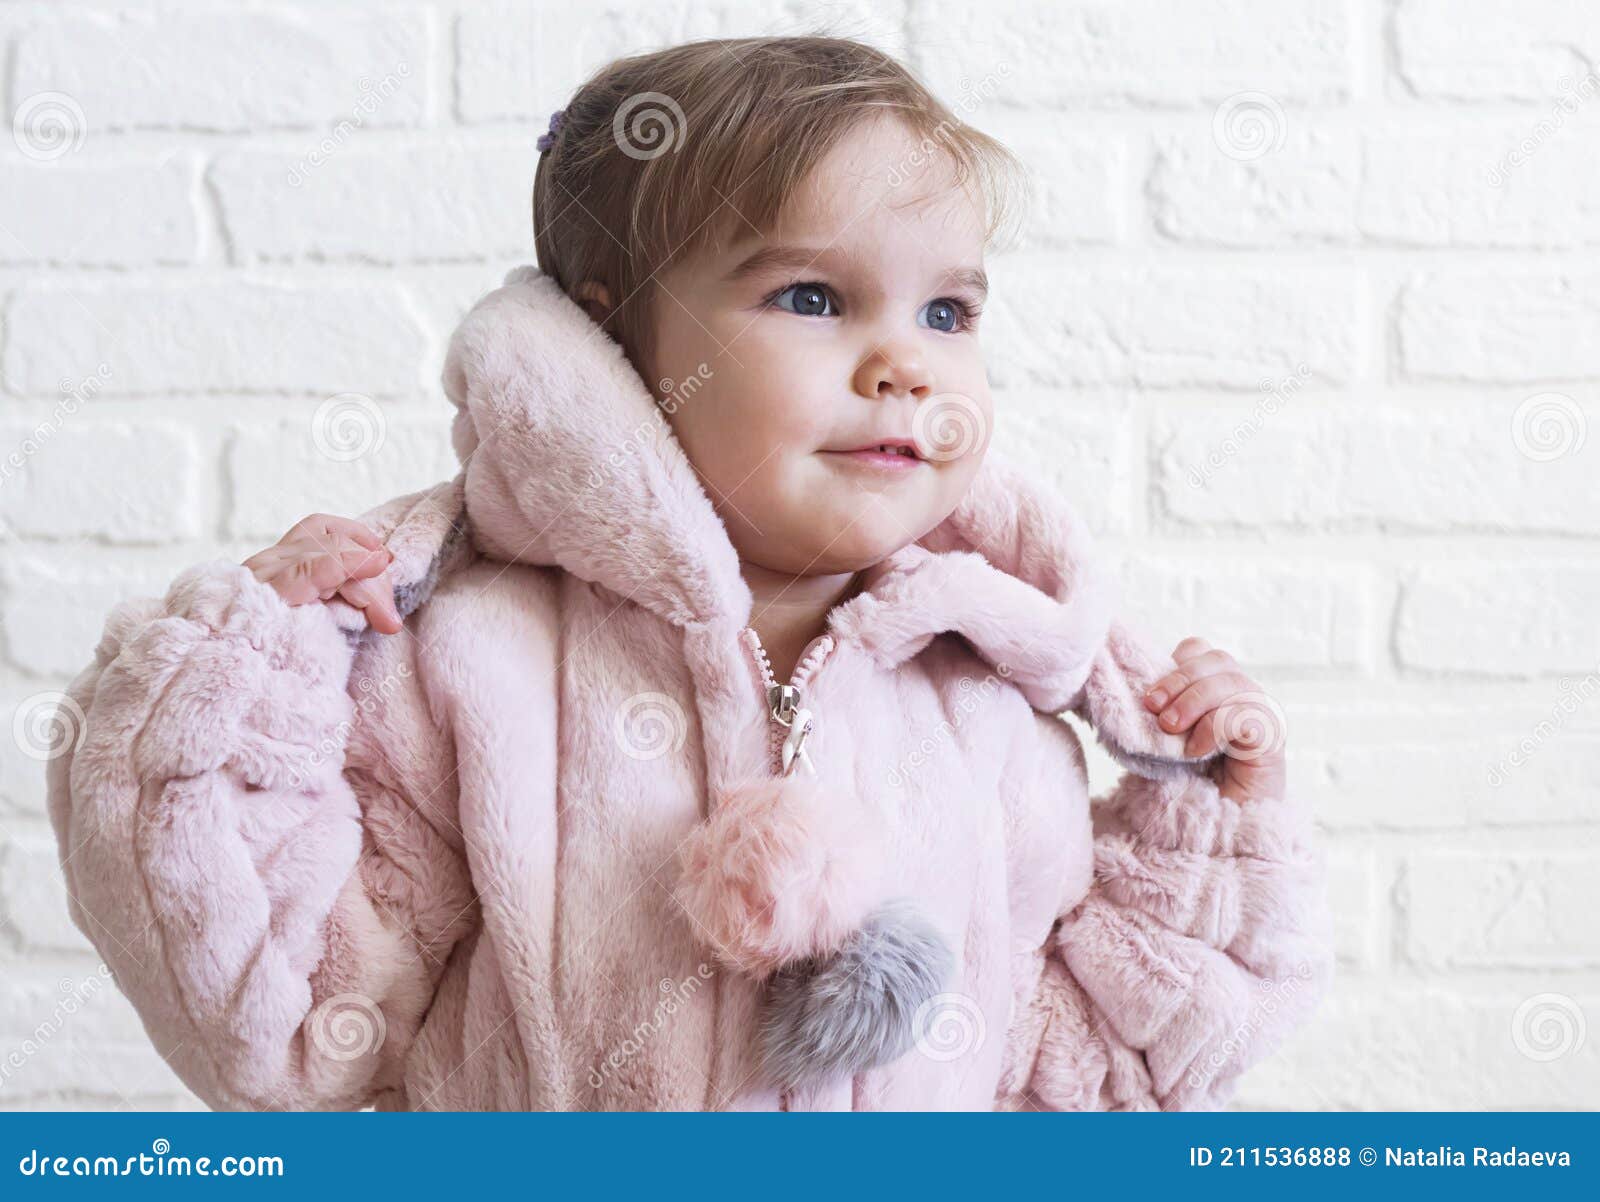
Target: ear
(595, 298)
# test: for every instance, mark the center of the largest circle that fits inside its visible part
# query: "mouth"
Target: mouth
(897, 455)
(885, 456)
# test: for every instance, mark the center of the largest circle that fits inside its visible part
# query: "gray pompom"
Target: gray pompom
(854, 1010)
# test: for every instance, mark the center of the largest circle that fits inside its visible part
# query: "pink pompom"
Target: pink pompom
(780, 871)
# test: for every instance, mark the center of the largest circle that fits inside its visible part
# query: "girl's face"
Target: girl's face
(852, 324)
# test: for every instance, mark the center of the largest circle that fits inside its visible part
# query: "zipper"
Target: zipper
(791, 721)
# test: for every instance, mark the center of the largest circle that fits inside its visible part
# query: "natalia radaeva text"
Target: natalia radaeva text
(1448, 1157)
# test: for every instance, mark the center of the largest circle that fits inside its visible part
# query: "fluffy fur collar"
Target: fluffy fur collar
(568, 462)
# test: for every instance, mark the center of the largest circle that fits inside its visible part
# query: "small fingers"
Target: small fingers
(1198, 666)
(361, 562)
(1200, 698)
(353, 529)
(266, 563)
(330, 566)
(313, 564)
(1202, 740)
(328, 524)
(291, 579)
(375, 599)
(339, 559)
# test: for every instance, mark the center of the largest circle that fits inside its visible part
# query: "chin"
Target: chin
(872, 539)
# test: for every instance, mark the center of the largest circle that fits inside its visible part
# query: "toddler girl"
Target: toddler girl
(699, 746)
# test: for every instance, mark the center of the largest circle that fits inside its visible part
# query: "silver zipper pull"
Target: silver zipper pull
(782, 701)
(794, 744)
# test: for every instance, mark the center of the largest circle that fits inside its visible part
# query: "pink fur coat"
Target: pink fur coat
(539, 851)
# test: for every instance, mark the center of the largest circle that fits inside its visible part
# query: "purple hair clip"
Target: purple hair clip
(548, 139)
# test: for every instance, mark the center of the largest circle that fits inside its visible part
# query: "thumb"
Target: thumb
(374, 596)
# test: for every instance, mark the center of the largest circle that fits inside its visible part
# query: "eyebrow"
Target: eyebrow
(771, 258)
(970, 277)
(797, 258)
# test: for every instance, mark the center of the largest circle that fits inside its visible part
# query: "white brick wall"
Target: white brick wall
(1303, 318)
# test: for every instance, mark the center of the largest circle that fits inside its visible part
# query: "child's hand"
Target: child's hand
(1225, 708)
(323, 557)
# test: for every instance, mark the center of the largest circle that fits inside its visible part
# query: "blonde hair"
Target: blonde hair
(659, 153)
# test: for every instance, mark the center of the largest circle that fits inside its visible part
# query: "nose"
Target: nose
(894, 367)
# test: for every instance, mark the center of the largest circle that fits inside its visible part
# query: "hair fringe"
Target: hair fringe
(755, 116)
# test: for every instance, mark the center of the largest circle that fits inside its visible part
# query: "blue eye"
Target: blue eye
(808, 300)
(944, 315)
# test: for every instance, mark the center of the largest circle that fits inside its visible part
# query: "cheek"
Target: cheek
(746, 431)
(986, 408)
(957, 424)
(766, 400)
(956, 479)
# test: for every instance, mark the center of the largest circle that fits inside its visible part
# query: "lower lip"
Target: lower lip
(887, 461)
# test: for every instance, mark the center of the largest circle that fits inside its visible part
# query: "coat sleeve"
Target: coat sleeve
(1202, 940)
(256, 828)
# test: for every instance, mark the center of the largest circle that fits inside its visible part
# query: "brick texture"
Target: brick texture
(1300, 316)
